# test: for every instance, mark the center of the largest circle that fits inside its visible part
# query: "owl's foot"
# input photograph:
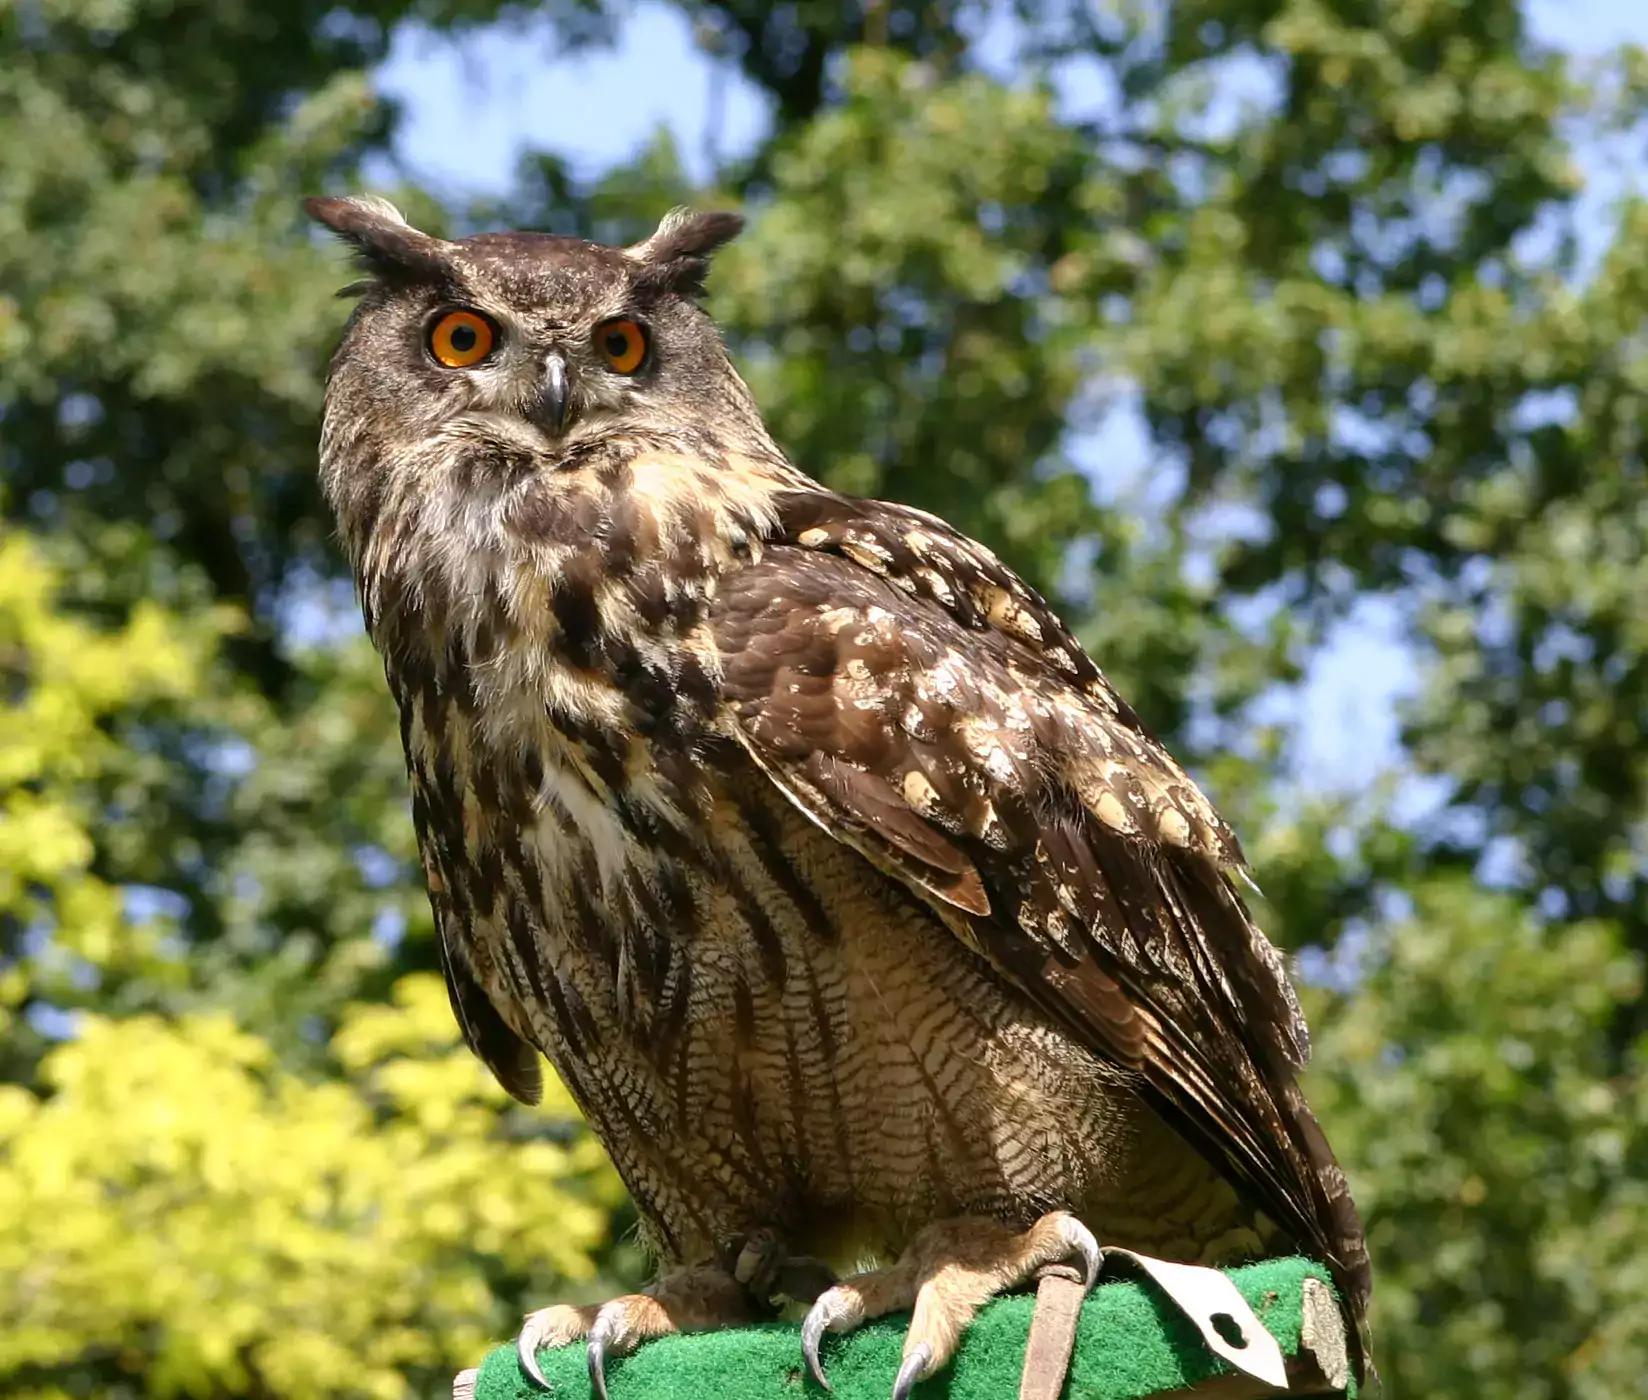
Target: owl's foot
(690, 1300)
(949, 1271)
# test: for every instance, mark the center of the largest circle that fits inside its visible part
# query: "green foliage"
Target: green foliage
(244, 1230)
(68, 685)
(1374, 358)
(1493, 1145)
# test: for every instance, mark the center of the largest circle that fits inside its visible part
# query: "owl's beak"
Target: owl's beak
(550, 411)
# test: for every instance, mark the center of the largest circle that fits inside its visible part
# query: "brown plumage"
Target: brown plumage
(852, 904)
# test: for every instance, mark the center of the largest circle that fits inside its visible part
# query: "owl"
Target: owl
(886, 951)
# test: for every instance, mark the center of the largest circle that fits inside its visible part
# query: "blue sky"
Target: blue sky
(475, 105)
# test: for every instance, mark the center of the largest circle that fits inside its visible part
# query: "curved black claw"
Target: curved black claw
(598, 1365)
(526, 1352)
(836, 1309)
(812, 1332)
(1083, 1245)
(914, 1369)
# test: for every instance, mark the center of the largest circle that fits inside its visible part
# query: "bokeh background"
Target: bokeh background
(1297, 347)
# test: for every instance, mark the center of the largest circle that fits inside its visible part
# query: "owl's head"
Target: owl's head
(519, 350)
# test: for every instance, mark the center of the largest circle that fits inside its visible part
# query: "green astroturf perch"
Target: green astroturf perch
(1130, 1344)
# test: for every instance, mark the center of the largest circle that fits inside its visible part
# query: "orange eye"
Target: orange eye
(460, 339)
(623, 345)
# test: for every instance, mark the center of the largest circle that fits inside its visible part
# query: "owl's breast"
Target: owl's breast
(570, 599)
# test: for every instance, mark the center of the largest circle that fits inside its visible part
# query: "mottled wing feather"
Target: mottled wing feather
(437, 810)
(812, 673)
(511, 1059)
(926, 707)
(1121, 772)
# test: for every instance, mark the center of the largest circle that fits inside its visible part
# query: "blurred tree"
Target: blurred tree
(191, 1208)
(1332, 253)
(1468, 1076)
(189, 1218)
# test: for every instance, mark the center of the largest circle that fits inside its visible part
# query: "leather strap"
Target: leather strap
(1059, 1295)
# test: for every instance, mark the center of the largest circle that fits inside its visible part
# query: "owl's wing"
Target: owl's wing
(511, 1059)
(923, 705)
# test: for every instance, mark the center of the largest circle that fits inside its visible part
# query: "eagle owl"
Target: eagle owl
(862, 918)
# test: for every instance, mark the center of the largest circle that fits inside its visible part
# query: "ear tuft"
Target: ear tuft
(677, 255)
(378, 232)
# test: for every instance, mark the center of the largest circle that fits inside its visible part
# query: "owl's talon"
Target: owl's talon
(837, 1309)
(618, 1330)
(549, 1327)
(598, 1366)
(812, 1331)
(527, 1355)
(917, 1366)
(945, 1275)
(1085, 1246)
(688, 1300)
